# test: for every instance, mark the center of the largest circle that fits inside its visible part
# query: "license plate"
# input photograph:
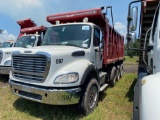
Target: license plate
(26, 88)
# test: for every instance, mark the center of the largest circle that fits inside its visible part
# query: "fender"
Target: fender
(81, 66)
(146, 97)
(6, 58)
(91, 68)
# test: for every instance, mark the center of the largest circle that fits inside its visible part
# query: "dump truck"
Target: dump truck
(146, 91)
(30, 36)
(81, 54)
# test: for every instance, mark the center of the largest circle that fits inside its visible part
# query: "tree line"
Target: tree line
(131, 53)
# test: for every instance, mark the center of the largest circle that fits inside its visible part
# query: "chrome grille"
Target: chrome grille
(1, 55)
(28, 67)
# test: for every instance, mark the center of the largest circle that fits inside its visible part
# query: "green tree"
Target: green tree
(132, 44)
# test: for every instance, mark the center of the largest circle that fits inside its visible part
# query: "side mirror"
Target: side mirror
(132, 19)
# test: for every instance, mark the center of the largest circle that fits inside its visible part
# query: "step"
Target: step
(147, 22)
(103, 87)
(151, 7)
(102, 74)
(146, 28)
(148, 15)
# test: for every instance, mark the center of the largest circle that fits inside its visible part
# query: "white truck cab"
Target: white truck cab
(146, 91)
(22, 42)
(7, 44)
(30, 35)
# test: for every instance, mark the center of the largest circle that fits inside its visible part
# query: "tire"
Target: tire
(89, 98)
(117, 73)
(112, 79)
(121, 70)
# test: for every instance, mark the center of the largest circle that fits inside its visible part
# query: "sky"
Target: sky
(37, 10)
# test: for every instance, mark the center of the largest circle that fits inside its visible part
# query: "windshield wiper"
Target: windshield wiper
(55, 44)
(51, 44)
(45, 44)
(24, 46)
(70, 44)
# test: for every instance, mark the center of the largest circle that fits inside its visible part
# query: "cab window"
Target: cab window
(96, 40)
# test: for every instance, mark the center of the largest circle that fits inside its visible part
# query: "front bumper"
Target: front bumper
(5, 70)
(46, 95)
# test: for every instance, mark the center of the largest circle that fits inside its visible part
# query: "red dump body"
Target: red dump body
(113, 41)
(29, 27)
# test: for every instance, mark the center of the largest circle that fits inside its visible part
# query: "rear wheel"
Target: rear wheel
(90, 97)
(118, 72)
(112, 79)
(121, 70)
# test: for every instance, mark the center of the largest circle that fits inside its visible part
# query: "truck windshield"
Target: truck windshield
(6, 44)
(70, 35)
(25, 41)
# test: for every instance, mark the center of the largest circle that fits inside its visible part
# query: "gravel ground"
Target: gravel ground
(130, 68)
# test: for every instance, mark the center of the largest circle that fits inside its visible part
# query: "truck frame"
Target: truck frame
(80, 55)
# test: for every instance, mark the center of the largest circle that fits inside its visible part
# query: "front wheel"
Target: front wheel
(90, 97)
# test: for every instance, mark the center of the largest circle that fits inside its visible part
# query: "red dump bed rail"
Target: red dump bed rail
(26, 23)
(33, 30)
(94, 15)
(113, 41)
(29, 27)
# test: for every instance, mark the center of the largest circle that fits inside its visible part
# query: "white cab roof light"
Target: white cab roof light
(85, 20)
(57, 22)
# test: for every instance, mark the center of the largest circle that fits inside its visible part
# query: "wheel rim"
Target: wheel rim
(92, 97)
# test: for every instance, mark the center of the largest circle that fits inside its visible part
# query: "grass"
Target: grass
(115, 104)
(129, 60)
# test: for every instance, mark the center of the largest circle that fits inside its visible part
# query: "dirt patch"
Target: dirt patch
(130, 68)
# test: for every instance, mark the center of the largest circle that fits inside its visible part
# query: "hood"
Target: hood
(62, 59)
(11, 49)
(51, 49)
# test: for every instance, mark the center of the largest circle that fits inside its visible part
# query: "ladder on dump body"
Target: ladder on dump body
(147, 14)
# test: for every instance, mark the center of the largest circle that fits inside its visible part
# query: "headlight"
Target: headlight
(67, 78)
(7, 63)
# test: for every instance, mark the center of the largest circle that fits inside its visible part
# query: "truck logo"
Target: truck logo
(59, 61)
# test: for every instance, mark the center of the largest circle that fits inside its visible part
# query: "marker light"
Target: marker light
(57, 22)
(85, 20)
